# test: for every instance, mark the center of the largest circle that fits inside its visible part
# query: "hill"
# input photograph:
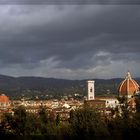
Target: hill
(39, 86)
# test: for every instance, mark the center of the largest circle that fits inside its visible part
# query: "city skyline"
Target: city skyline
(70, 41)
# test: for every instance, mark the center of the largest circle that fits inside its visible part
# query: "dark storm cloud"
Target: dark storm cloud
(69, 2)
(73, 38)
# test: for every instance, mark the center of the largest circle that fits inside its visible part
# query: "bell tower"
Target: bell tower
(90, 90)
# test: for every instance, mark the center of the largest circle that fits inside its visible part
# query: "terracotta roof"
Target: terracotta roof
(4, 98)
(105, 98)
(128, 86)
(131, 102)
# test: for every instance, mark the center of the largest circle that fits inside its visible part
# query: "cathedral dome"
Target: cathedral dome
(4, 99)
(128, 87)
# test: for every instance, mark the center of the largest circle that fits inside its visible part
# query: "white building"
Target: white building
(90, 90)
(109, 102)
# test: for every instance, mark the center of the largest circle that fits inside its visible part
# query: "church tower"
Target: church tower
(90, 90)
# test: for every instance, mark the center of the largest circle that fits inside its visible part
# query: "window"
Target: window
(90, 89)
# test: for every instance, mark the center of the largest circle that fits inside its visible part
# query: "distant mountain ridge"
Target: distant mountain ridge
(39, 85)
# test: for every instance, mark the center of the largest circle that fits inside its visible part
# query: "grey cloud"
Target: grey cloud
(72, 35)
(60, 2)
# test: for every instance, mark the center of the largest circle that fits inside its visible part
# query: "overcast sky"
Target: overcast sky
(70, 41)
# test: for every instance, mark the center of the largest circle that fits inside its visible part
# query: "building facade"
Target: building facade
(90, 90)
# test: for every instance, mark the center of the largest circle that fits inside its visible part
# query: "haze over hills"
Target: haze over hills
(35, 86)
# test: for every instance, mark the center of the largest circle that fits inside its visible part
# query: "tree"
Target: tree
(32, 126)
(15, 124)
(86, 123)
(7, 124)
(43, 114)
(57, 119)
(19, 119)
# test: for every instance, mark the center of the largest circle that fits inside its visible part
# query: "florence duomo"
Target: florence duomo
(64, 69)
(128, 88)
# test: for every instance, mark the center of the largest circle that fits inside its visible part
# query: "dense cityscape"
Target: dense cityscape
(67, 117)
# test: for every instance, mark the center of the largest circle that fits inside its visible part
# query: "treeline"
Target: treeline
(84, 123)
